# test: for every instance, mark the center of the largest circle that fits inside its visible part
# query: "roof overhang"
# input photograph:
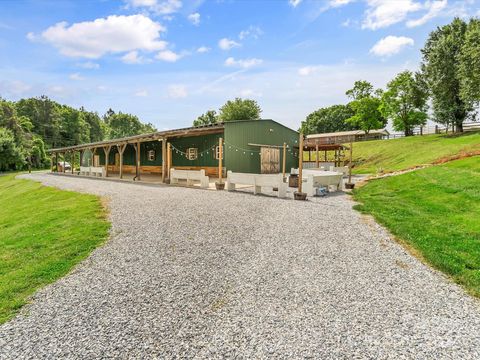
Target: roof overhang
(159, 135)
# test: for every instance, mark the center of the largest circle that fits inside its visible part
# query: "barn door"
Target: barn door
(270, 160)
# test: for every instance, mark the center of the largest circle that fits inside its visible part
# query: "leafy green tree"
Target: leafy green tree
(11, 157)
(44, 114)
(405, 102)
(210, 117)
(469, 65)
(74, 129)
(97, 126)
(366, 107)
(361, 89)
(240, 109)
(329, 119)
(441, 69)
(123, 125)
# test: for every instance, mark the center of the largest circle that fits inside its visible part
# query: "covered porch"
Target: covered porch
(146, 158)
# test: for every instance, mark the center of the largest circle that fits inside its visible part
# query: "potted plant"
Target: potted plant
(299, 195)
(219, 185)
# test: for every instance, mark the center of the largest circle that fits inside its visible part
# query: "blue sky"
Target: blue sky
(169, 61)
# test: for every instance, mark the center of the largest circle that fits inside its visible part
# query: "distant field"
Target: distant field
(44, 232)
(435, 211)
(389, 155)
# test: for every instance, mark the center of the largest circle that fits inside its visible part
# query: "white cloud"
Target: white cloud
(168, 55)
(158, 7)
(76, 76)
(250, 93)
(243, 63)
(306, 70)
(132, 57)
(338, 3)
(89, 65)
(391, 45)
(434, 9)
(114, 34)
(227, 44)
(383, 13)
(14, 87)
(203, 49)
(141, 93)
(252, 31)
(177, 91)
(194, 18)
(294, 3)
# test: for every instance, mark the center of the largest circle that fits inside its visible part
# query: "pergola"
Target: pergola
(134, 141)
(317, 148)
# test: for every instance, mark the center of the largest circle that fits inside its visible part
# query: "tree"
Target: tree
(469, 65)
(98, 128)
(405, 102)
(366, 107)
(240, 109)
(44, 114)
(326, 120)
(361, 89)
(210, 117)
(123, 125)
(441, 69)
(11, 157)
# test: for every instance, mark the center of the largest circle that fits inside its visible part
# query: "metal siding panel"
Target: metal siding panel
(203, 143)
(238, 154)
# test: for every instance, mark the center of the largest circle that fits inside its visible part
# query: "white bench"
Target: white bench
(258, 181)
(340, 169)
(315, 178)
(321, 179)
(190, 176)
(97, 171)
(85, 170)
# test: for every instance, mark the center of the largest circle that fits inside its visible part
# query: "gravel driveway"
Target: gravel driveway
(194, 273)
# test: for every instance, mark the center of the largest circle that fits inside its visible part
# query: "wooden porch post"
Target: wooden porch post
(350, 165)
(106, 150)
(138, 160)
(169, 159)
(316, 155)
(164, 159)
(81, 157)
(64, 154)
(56, 162)
(300, 164)
(220, 155)
(73, 160)
(51, 163)
(121, 149)
(325, 155)
(94, 150)
(284, 162)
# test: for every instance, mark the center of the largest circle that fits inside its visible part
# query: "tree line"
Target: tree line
(29, 127)
(447, 84)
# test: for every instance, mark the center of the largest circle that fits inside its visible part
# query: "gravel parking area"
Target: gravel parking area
(192, 273)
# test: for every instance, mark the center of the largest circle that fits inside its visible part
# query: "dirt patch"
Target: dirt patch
(461, 155)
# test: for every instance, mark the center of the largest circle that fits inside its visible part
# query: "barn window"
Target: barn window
(217, 152)
(192, 153)
(151, 155)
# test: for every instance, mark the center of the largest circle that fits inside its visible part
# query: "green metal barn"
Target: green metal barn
(249, 146)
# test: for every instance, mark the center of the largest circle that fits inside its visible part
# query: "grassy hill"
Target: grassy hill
(44, 232)
(434, 211)
(373, 157)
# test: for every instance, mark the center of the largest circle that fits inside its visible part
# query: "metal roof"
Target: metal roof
(194, 130)
(348, 133)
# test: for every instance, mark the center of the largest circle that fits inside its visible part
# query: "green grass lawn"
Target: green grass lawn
(372, 157)
(436, 212)
(44, 232)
